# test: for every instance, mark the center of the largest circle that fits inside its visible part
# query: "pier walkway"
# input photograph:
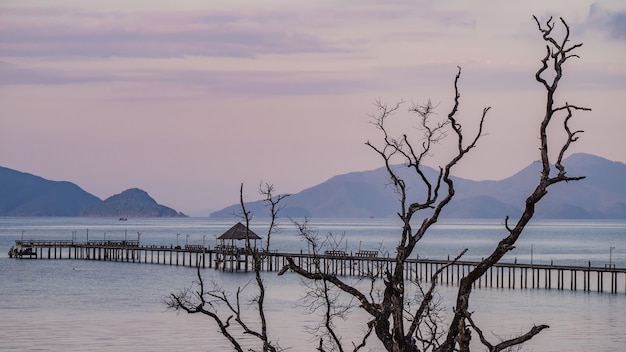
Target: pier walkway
(363, 263)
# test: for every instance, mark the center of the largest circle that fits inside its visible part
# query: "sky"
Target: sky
(188, 99)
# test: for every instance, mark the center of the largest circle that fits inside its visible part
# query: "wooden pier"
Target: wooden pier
(363, 263)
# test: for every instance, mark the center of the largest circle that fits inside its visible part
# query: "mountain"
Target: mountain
(601, 195)
(23, 194)
(132, 202)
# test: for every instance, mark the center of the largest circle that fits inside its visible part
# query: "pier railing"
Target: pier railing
(363, 263)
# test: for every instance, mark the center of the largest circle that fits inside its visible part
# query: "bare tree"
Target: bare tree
(321, 295)
(403, 315)
(397, 327)
(557, 54)
(209, 302)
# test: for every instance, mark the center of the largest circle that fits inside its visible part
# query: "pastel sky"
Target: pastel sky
(187, 99)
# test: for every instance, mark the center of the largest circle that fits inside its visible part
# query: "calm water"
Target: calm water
(74, 305)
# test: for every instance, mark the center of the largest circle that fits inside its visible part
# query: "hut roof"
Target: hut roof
(238, 232)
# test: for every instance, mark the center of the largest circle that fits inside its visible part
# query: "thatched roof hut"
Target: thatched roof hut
(238, 232)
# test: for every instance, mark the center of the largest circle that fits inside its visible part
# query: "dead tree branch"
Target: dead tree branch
(321, 295)
(399, 321)
(503, 345)
(207, 302)
(557, 54)
(389, 312)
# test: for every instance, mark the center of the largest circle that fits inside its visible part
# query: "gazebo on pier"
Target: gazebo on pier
(236, 233)
(229, 254)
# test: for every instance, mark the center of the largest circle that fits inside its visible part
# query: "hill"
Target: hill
(132, 202)
(601, 195)
(23, 194)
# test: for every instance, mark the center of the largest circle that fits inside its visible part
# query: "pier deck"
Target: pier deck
(364, 263)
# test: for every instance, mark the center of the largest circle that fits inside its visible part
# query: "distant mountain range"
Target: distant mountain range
(601, 195)
(23, 194)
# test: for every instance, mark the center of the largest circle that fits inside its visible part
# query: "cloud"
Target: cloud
(365, 46)
(285, 30)
(65, 32)
(611, 22)
(15, 74)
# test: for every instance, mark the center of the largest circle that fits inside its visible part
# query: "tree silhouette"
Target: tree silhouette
(403, 315)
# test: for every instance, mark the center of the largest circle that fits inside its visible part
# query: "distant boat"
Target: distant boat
(123, 219)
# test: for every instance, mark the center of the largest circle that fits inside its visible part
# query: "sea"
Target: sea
(86, 305)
